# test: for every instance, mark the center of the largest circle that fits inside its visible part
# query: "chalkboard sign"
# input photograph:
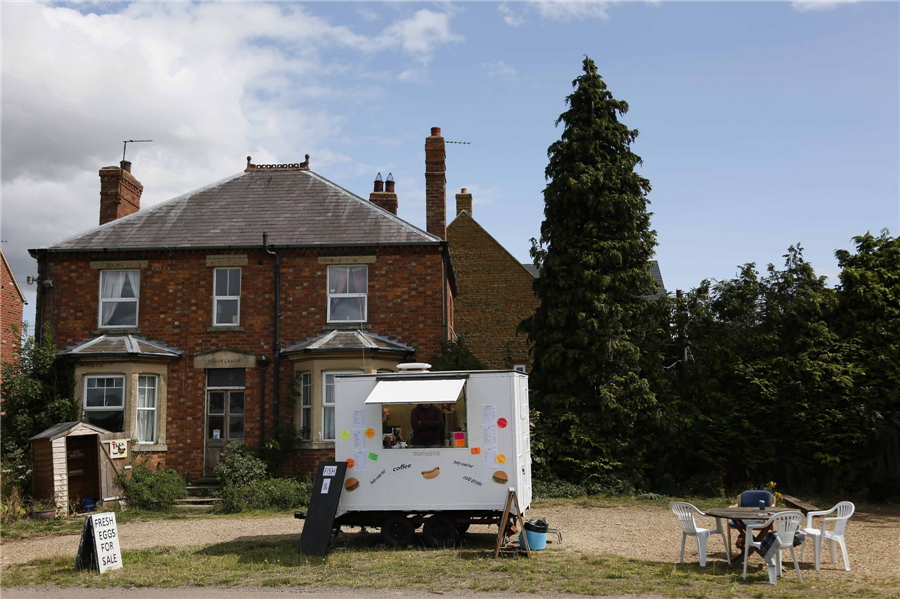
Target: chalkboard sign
(99, 547)
(322, 508)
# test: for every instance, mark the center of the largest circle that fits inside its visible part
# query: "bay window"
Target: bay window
(145, 419)
(305, 405)
(104, 402)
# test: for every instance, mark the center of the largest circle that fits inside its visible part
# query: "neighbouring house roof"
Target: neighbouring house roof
(12, 277)
(59, 430)
(654, 270)
(353, 340)
(295, 207)
(120, 345)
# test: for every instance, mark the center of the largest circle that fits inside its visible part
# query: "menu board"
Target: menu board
(322, 508)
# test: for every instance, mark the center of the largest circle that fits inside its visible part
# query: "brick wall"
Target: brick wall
(405, 303)
(10, 313)
(495, 294)
(120, 192)
(301, 462)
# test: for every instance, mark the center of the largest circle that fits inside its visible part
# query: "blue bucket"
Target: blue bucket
(536, 540)
(89, 505)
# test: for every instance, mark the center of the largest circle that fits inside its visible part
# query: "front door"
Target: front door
(224, 424)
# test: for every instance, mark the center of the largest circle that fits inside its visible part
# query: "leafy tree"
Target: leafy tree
(456, 355)
(593, 255)
(869, 294)
(37, 392)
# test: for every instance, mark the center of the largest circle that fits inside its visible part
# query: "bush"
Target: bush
(266, 493)
(154, 490)
(239, 466)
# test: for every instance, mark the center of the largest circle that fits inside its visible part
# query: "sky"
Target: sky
(762, 124)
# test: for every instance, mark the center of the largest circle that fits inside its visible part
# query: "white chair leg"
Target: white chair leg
(780, 568)
(796, 564)
(803, 549)
(844, 551)
(832, 549)
(817, 551)
(746, 552)
(683, 539)
(727, 549)
(773, 572)
(701, 549)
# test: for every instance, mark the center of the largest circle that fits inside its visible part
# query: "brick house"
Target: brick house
(11, 306)
(495, 292)
(226, 312)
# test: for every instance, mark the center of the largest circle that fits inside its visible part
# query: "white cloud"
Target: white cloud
(560, 10)
(510, 17)
(498, 69)
(413, 75)
(818, 5)
(209, 83)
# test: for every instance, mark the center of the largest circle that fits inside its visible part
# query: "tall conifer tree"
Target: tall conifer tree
(593, 256)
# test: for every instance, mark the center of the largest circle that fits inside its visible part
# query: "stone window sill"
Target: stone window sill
(224, 328)
(142, 448)
(316, 445)
(116, 331)
(344, 326)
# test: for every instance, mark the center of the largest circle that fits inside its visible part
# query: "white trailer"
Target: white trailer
(485, 449)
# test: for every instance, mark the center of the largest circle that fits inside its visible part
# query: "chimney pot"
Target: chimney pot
(126, 165)
(379, 183)
(384, 196)
(464, 190)
(435, 132)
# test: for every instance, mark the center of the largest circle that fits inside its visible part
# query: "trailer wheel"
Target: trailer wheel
(440, 531)
(397, 531)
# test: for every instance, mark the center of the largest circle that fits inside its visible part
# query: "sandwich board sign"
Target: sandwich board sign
(99, 547)
(322, 508)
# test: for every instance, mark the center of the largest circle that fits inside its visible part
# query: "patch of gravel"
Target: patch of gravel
(645, 533)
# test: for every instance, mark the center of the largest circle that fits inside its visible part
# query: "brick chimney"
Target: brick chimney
(384, 195)
(120, 192)
(435, 184)
(463, 202)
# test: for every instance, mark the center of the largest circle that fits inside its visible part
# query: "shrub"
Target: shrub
(266, 493)
(239, 466)
(154, 489)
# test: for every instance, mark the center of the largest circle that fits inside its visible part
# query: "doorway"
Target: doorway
(225, 414)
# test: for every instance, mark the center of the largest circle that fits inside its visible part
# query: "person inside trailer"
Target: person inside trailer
(427, 422)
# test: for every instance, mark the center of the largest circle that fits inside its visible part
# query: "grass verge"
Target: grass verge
(276, 563)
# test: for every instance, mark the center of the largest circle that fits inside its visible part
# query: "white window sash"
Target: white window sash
(364, 307)
(325, 404)
(154, 387)
(217, 297)
(306, 403)
(113, 287)
(84, 398)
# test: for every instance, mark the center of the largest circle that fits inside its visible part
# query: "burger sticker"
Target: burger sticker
(500, 477)
(351, 485)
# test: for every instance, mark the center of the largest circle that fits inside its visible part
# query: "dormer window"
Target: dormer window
(119, 292)
(348, 288)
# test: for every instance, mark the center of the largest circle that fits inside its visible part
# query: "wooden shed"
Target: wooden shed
(74, 461)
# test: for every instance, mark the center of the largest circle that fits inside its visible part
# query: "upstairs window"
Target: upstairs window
(119, 292)
(227, 297)
(348, 293)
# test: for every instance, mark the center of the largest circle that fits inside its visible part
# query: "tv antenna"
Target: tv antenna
(465, 143)
(133, 141)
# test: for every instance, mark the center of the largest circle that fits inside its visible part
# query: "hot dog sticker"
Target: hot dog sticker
(430, 474)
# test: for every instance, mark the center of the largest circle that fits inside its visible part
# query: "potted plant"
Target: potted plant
(44, 511)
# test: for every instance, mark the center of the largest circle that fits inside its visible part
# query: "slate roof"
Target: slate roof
(295, 207)
(124, 345)
(654, 270)
(354, 340)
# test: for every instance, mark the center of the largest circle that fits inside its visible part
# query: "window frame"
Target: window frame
(306, 405)
(84, 398)
(101, 300)
(154, 409)
(365, 311)
(217, 297)
(332, 405)
(520, 368)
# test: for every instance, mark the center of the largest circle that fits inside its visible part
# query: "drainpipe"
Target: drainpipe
(262, 361)
(41, 297)
(276, 343)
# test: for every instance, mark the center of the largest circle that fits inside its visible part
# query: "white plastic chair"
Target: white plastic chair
(685, 513)
(786, 525)
(844, 510)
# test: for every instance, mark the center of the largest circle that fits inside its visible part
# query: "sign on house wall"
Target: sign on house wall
(225, 359)
(118, 448)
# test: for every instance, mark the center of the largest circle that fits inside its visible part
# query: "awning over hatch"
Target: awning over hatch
(424, 390)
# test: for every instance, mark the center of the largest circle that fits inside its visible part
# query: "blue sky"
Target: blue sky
(761, 124)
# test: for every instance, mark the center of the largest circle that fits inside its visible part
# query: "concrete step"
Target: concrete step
(202, 490)
(197, 501)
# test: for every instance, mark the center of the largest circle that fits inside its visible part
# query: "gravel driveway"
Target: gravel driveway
(645, 532)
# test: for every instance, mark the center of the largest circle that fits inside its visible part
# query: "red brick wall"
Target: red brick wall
(304, 461)
(495, 294)
(10, 313)
(405, 303)
(120, 193)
